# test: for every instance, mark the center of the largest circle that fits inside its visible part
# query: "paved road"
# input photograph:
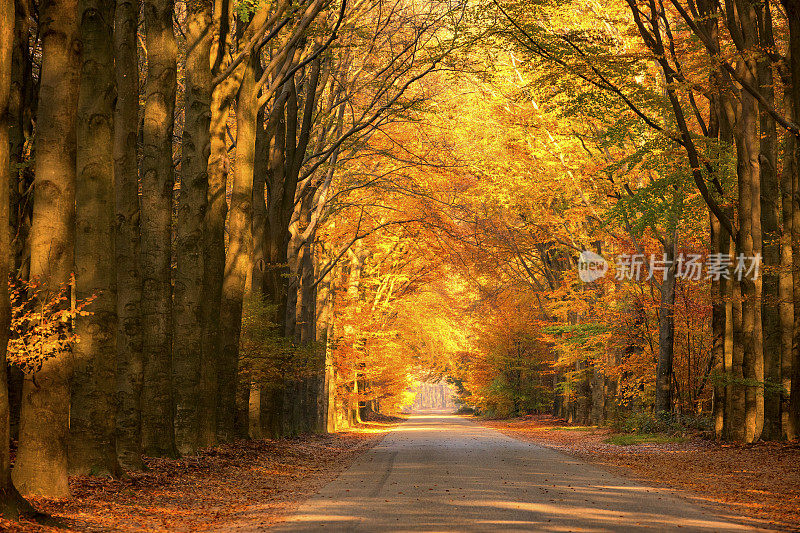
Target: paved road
(446, 473)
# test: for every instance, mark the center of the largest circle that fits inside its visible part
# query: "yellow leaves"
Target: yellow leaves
(41, 323)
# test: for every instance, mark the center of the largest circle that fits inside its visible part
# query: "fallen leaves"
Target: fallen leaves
(240, 485)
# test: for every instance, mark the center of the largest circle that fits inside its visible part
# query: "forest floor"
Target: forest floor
(759, 482)
(239, 485)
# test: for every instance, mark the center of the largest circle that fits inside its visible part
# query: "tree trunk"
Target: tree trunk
(786, 283)
(157, 178)
(41, 464)
(245, 383)
(271, 408)
(129, 279)
(743, 420)
(259, 219)
(10, 501)
(720, 243)
(237, 256)
(274, 280)
(770, 213)
(754, 359)
(254, 412)
(326, 293)
(92, 412)
(793, 16)
(307, 297)
(214, 228)
(188, 324)
(666, 333)
(21, 118)
(266, 415)
(6, 46)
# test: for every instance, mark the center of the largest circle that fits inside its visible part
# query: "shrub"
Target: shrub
(666, 423)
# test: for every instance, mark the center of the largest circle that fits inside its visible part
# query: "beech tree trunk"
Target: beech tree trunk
(91, 449)
(275, 282)
(214, 228)
(21, 117)
(786, 283)
(754, 358)
(324, 327)
(666, 333)
(307, 297)
(188, 312)
(747, 364)
(260, 412)
(743, 419)
(157, 178)
(6, 47)
(41, 464)
(237, 255)
(793, 16)
(720, 243)
(10, 501)
(770, 213)
(129, 279)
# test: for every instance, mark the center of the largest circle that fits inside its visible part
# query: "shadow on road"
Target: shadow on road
(440, 472)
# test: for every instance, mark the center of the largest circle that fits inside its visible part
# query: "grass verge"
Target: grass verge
(630, 439)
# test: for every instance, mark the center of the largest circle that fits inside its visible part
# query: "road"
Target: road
(446, 473)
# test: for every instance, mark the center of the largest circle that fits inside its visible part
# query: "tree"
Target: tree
(214, 224)
(10, 501)
(188, 322)
(157, 178)
(126, 238)
(92, 410)
(41, 465)
(237, 255)
(793, 17)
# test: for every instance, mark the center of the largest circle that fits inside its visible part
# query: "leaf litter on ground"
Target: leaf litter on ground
(242, 485)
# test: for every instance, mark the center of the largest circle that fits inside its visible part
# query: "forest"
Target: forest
(258, 219)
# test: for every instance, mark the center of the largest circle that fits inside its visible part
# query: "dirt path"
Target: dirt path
(447, 473)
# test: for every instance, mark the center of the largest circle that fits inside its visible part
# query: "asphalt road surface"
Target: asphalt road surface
(445, 473)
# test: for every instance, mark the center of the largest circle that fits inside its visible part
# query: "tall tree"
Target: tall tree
(793, 16)
(21, 119)
(41, 464)
(237, 258)
(214, 223)
(188, 321)
(666, 331)
(786, 283)
(10, 502)
(157, 178)
(129, 279)
(770, 215)
(741, 21)
(92, 427)
(6, 42)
